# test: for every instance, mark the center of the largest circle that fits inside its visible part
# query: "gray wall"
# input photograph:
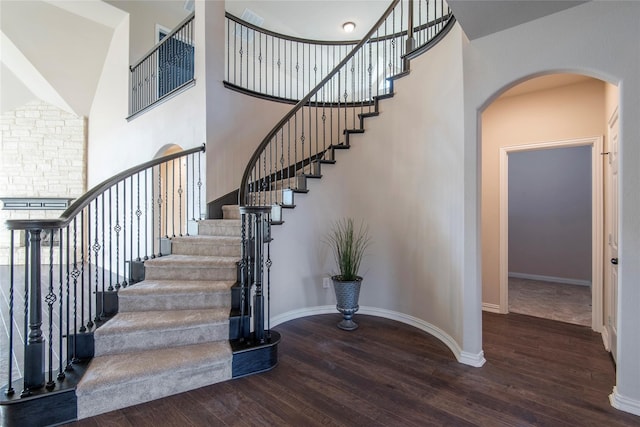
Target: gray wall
(550, 213)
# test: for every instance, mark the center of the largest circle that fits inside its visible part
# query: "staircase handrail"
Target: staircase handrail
(304, 101)
(76, 207)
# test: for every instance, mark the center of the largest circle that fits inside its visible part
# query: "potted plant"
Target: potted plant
(348, 243)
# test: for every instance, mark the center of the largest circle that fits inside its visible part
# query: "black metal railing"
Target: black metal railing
(255, 274)
(319, 123)
(287, 68)
(165, 70)
(67, 288)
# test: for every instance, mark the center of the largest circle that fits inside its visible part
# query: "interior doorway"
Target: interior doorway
(551, 205)
(559, 109)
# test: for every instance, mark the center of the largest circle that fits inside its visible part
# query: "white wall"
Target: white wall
(553, 114)
(114, 143)
(598, 39)
(404, 178)
(550, 213)
(144, 16)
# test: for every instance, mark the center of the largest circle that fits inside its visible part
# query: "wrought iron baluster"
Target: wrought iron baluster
(199, 187)
(82, 275)
(153, 239)
(166, 200)
(173, 198)
(10, 391)
(61, 374)
(117, 228)
(68, 293)
(89, 276)
(138, 214)
(186, 203)
(180, 196)
(146, 214)
(159, 210)
(50, 299)
(104, 253)
(75, 273)
(124, 233)
(25, 387)
(268, 264)
(110, 244)
(96, 249)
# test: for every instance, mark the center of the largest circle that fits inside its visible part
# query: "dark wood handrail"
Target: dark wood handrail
(304, 101)
(80, 203)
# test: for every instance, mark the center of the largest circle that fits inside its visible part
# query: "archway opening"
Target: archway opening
(539, 115)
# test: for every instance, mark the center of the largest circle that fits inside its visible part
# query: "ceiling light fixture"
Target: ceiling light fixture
(348, 27)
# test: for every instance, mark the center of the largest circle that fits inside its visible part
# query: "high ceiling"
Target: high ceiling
(313, 19)
(62, 63)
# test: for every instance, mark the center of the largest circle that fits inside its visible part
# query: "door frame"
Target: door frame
(597, 218)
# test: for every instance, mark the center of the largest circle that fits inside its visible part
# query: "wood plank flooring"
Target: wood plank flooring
(538, 372)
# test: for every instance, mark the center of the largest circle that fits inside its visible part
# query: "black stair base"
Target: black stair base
(42, 407)
(254, 358)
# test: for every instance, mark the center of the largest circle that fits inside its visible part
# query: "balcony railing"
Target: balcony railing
(287, 68)
(165, 70)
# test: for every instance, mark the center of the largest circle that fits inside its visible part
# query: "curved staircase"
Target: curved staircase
(171, 333)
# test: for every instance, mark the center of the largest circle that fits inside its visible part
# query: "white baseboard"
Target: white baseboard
(472, 359)
(605, 338)
(550, 279)
(624, 403)
(491, 308)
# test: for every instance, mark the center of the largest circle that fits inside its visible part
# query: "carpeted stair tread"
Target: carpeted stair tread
(117, 381)
(206, 245)
(206, 240)
(192, 261)
(192, 267)
(175, 287)
(144, 330)
(155, 321)
(175, 295)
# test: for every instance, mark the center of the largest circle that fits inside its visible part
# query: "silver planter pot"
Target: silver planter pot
(347, 294)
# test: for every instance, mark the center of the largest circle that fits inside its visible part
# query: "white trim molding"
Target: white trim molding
(597, 219)
(624, 403)
(471, 359)
(491, 308)
(551, 279)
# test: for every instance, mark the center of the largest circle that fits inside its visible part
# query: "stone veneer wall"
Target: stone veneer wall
(42, 154)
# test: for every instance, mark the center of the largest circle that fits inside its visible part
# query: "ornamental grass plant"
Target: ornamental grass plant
(348, 242)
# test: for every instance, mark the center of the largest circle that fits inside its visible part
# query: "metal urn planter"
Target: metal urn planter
(348, 243)
(347, 294)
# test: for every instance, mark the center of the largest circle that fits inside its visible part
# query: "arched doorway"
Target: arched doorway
(552, 111)
(169, 187)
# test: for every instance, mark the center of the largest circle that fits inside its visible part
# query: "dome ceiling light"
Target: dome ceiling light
(348, 27)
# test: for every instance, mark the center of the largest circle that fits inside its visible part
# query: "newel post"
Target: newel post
(411, 41)
(35, 346)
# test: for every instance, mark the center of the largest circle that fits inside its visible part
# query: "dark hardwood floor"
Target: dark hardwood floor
(538, 372)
